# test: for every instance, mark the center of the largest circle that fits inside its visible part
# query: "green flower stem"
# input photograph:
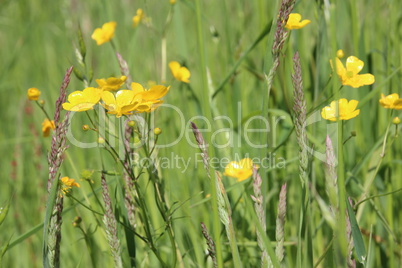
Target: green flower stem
(160, 198)
(371, 180)
(163, 59)
(96, 197)
(206, 105)
(141, 200)
(43, 110)
(341, 232)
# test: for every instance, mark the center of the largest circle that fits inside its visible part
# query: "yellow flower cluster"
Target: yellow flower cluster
(123, 102)
(139, 16)
(349, 76)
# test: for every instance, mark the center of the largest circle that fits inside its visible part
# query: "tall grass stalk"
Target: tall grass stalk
(280, 224)
(224, 210)
(299, 118)
(258, 199)
(206, 110)
(111, 225)
(54, 209)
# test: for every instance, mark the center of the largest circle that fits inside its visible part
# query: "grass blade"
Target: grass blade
(357, 236)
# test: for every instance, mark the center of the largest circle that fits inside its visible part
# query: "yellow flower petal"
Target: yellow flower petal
(124, 97)
(122, 103)
(79, 101)
(179, 73)
(155, 92)
(104, 34)
(295, 23)
(47, 125)
(111, 83)
(354, 65)
(137, 88)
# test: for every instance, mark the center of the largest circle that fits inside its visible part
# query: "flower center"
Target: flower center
(349, 74)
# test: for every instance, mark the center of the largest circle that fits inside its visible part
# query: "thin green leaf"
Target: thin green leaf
(4, 211)
(3, 250)
(357, 236)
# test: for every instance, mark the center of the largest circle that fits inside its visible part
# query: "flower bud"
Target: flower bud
(101, 140)
(85, 127)
(33, 93)
(77, 220)
(157, 131)
(131, 123)
(353, 133)
(42, 102)
(172, 2)
(340, 54)
(396, 120)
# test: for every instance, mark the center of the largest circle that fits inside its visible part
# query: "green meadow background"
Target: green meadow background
(37, 44)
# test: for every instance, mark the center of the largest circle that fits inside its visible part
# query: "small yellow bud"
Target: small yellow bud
(77, 221)
(396, 120)
(340, 54)
(157, 131)
(101, 140)
(85, 127)
(131, 123)
(137, 140)
(33, 93)
(42, 102)
(172, 2)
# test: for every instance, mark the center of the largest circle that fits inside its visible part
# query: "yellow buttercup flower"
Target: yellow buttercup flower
(138, 17)
(181, 73)
(33, 93)
(294, 22)
(347, 110)
(104, 34)
(241, 170)
(124, 102)
(350, 76)
(47, 125)
(79, 101)
(150, 99)
(172, 2)
(67, 184)
(111, 83)
(391, 101)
